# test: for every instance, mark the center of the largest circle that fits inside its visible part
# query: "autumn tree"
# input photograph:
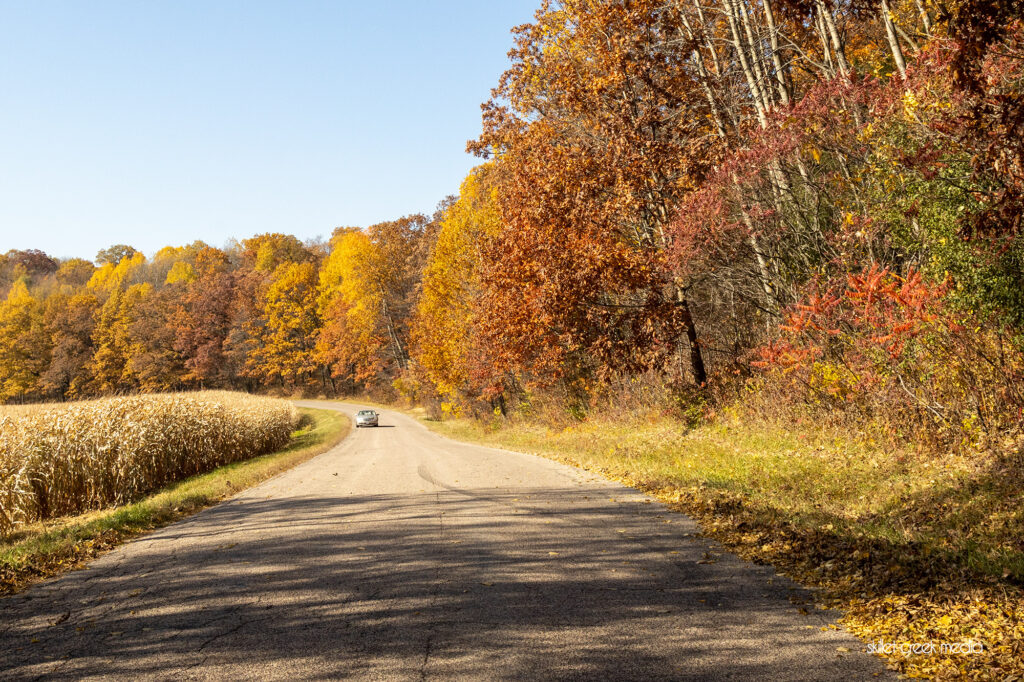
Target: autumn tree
(112, 337)
(266, 252)
(24, 343)
(597, 130)
(446, 336)
(347, 302)
(260, 257)
(112, 276)
(154, 363)
(70, 321)
(112, 255)
(202, 318)
(368, 288)
(287, 325)
(75, 273)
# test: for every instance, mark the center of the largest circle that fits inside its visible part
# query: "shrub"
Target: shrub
(894, 351)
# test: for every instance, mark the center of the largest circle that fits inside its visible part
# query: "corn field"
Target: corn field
(58, 459)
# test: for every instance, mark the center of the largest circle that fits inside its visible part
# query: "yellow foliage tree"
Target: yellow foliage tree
(24, 343)
(109, 277)
(349, 300)
(443, 329)
(287, 327)
(181, 272)
(112, 362)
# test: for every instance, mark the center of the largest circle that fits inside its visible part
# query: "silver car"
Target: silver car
(366, 418)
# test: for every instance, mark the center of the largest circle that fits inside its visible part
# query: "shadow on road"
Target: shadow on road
(348, 585)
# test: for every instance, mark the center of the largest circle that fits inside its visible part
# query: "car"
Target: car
(366, 418)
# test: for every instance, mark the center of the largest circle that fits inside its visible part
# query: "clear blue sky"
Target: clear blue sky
(157, 122)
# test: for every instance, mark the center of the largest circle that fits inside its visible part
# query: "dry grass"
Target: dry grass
(62, 459)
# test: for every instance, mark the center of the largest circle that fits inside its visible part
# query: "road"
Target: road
(403, 555)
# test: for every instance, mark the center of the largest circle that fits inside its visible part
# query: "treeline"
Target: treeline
(812, 206)
(270, 312)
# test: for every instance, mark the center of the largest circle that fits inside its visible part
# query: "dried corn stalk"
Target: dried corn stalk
(63, 459)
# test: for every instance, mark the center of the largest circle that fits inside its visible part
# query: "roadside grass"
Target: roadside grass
(44, 549)
(912, 549)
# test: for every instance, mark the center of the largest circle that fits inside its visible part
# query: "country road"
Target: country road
(402, 555)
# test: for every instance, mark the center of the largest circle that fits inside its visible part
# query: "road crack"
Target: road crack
(426, 655)
(435, 590)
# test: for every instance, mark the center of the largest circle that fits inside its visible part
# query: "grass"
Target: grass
(44, 549)
(911, 548)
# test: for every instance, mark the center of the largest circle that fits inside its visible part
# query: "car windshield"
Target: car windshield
(366, 413)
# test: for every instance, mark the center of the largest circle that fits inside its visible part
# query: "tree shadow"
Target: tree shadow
(554, 585)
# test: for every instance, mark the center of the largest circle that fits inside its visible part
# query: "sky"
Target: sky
(160, 122)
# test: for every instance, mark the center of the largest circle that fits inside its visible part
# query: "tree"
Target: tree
(125, 272)
(368, 289)
(31, 265)
(287, 327)
(70, 322)
(154, 363)
(266, 252)
(24, 344)
(597, 130)
(33, 261)
(445, 333)
(349, 302)
(112, 255)
(75, 272)
(115, 347)
(202, 319)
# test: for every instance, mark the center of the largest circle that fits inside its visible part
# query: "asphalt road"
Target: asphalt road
(403, 555)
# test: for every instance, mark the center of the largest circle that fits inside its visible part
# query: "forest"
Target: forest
(809, 209)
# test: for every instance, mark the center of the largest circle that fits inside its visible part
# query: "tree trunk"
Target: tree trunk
(756, 55)
(926, 20)
(833, 31)
(396, 344)
(822, 33)
(773, 39)
(894, 43)
(758, 97)
(700, 375)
